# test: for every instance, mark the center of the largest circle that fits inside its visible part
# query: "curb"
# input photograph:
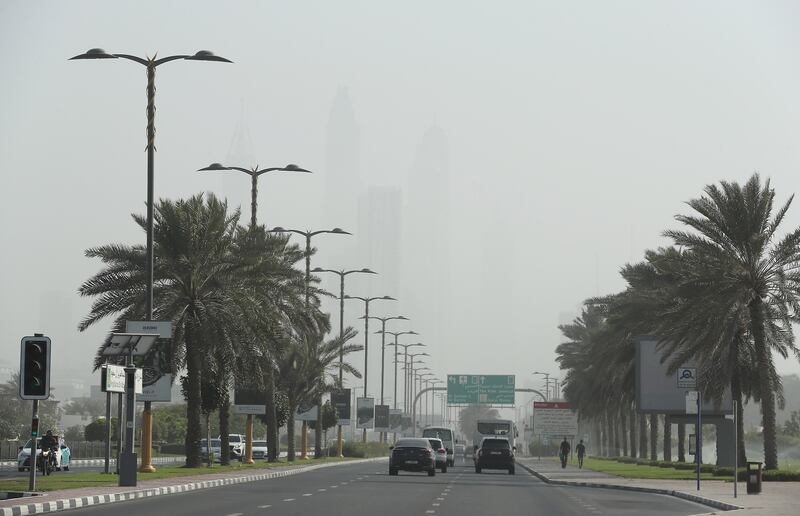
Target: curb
(100, 462)
(86, 501)
(710, 502)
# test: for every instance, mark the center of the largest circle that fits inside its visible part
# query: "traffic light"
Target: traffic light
(34, 369)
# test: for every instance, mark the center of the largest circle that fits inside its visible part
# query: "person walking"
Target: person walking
(563, 452)
(580, 451)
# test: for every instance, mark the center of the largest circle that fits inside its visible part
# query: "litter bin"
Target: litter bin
(753, 477)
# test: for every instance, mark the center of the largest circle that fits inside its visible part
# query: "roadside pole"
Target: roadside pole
(107, 453)
(119, 429)
(34, 437)
(735, 451)
(698, 439)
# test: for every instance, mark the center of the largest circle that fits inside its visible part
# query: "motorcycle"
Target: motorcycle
(47, 461)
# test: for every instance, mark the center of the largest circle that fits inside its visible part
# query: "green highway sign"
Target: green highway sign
(494, 389)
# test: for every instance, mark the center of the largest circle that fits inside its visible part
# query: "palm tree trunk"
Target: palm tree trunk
(290, 431)
(764, 359)
(318, 430)
(632, 422)
(598, 440)
(681, 442)
(642, 436)
(653, 436)
(736, 389)
(667, 439)
(623, 426)
(272, 420)
(615, 428)
(193, 367)
(606, 440)
(208, 440)
(224, 429)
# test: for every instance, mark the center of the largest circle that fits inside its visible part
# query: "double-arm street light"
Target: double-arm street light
(367, 301)
(342, 274)
(308, 236)
(150, 64)
(421, 374)
(405, 363)
(409, 396)
(382, 331)
(254, 173)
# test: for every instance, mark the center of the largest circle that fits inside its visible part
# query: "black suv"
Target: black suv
(412, 454)
(494, 453)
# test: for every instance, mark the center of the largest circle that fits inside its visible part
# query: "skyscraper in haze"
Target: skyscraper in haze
(235, 185)
(342, 156)
(379, 238)
(426, 241)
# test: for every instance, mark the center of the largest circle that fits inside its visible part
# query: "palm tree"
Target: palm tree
(199, 284)
(745, 270)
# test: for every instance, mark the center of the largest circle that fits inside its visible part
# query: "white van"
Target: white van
(448, 438)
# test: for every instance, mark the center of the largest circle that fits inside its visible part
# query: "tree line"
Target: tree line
(724, 295)
(241, 309)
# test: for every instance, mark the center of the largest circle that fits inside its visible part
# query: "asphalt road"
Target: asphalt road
(368, 489)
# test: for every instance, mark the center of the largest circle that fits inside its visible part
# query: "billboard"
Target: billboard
(554, 418)
(365, 412)
(306, 413)
(156, 368)
(249, 401)
(658, 392)
(341, 402)
(487, 389)
(381, 418)
(395, 420)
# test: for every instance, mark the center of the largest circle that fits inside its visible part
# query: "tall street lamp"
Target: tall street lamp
(342, 274)
(254, 173)
(547, 384)
(308, 236)
(409, 400)
(150, 64)
(405, 359)
(382, 331)
(421, 373)
(366, 318)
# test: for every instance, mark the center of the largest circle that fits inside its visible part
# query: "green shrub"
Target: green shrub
(707, 468)
(777, 475)
(174, 449)
(626, 460)
(665, 464)
(684, 466)
(361, 450)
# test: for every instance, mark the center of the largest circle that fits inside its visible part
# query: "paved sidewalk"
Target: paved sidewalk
(53, 501)
(776, 498)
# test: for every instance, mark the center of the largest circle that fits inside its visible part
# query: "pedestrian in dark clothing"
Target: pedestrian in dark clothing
(580, 451)
(563, 452)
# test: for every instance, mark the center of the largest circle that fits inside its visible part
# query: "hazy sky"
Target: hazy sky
(575, 131)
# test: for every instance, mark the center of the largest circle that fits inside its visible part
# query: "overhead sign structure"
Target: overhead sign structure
(687, 377)
(463, 389)
(554, 418)
(341, 403)
(365, 412)
(381, 418)
(156, 370)
(249, 401)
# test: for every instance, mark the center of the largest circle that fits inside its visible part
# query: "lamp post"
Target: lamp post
(382, 331)
(421, 373)
(409, 378)
(342, 274)
(433, 383)
(254, 173)
(150, 64)
(397, 334)
(308, 236)
(547, 384)
(366, 318)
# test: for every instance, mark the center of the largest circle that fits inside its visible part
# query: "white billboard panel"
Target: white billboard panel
(554, 418)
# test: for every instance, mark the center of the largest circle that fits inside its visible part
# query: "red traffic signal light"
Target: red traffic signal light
(34, 370)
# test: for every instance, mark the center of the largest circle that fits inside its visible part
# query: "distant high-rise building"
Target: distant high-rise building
(379, 238)
(342, 171)
(426, 241)
(236, 186)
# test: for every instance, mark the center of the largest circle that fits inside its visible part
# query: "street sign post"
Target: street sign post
(249, 401)
(480, 389)
(340, 399)
(365, 412)
(687, 377)
(381, 418)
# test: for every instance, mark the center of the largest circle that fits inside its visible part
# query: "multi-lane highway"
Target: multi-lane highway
(367, 488)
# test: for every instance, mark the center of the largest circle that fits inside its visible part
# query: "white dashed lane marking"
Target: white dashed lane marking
(310, 494)
(323, 489)
(288, 499)
(264, 506)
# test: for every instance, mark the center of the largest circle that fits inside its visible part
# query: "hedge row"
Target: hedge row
(774, 475)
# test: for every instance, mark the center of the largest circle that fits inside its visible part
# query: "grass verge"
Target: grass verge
(74, 480)
(644, 471)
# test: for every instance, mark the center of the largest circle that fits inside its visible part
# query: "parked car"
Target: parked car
(236, 446)
(441, 454)
(412, 454)
(259, 449)
(494, 453)
(215, 449)
(62, 455)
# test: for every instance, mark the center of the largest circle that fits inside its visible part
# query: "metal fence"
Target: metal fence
(78, 449)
